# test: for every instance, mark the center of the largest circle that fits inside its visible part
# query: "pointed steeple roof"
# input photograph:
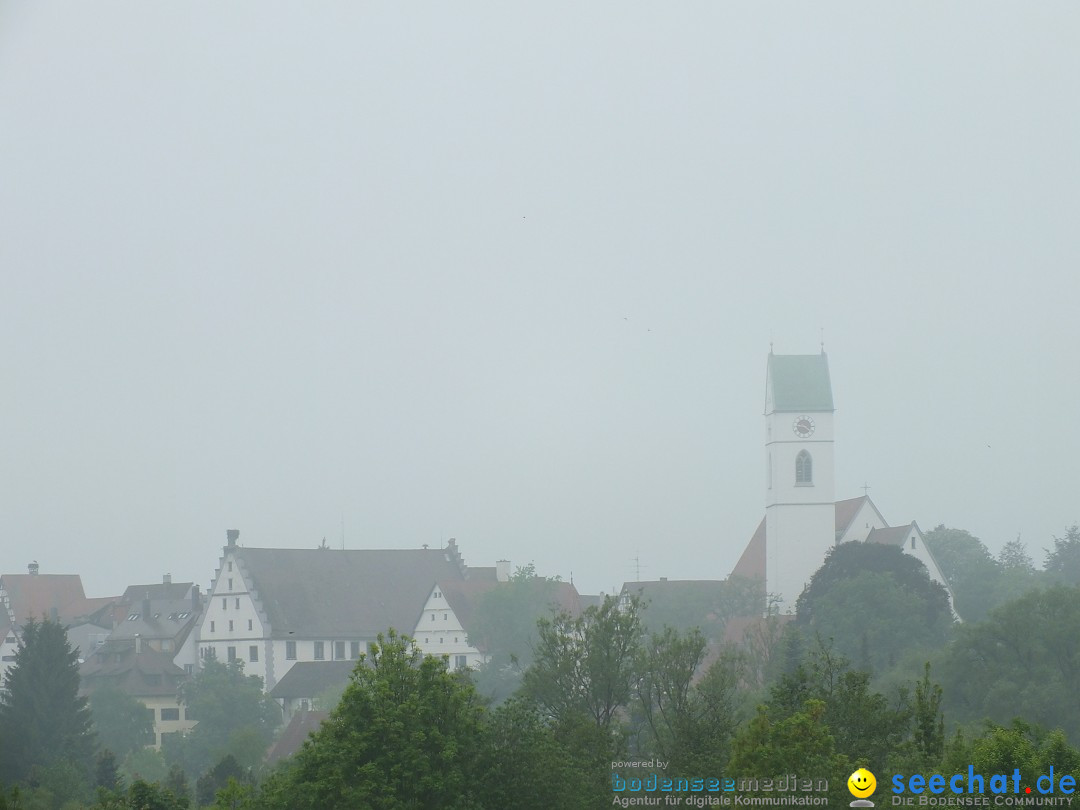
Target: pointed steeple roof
(798, 383)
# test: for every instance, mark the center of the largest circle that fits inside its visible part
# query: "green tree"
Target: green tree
(504, 625)
(1024, 660)
(526, 767)
(587, 665)
(797, 743)
(122, 723)
(406, 734)
(145, 765)
(973, 574)
(1063, 560)
(40, 707)
(233, 716)
(875, 603)
(664, 690)
(863, 723)
(107, 772)
(227, 769)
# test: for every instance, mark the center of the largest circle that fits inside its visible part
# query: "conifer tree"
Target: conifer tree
(40, 707)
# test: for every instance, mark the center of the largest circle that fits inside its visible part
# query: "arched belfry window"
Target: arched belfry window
(804, 468)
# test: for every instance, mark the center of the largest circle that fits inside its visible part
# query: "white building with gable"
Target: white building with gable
(803, 519)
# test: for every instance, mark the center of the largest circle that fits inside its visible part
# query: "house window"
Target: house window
(224, 604)
(459, 662)
(170, 714)
(189, 669)
(438, 595)
(912, 543)
(230, 566)
(253, 653)
(238, 603)
(440, 640)
(354, 650)
(433, 615)
(249, 624)
(230, 583)
(339, 650)
(232, 653)
(211, 627)
(444, 617)
(290, 650)
(455, 639)
(804, 469)
(230, 625)
(320, 653)
(427, 640)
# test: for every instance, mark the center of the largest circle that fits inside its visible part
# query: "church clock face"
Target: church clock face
(803, 427)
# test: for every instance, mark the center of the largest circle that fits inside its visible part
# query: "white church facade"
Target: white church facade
(803, 519)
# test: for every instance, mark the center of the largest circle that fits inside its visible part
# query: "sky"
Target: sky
(388, 274)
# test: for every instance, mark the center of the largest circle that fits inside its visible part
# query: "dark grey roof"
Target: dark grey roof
(168, 618)
(891, 536)
(306, 679)
(799, 382)
(176, 591)
(347, 593)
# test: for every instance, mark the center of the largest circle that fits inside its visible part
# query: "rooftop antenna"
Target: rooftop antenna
(823, 340)
(342, 531)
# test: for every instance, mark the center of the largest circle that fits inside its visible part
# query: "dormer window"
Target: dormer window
(804, 469)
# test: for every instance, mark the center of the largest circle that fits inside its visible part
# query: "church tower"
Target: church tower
(800, 512)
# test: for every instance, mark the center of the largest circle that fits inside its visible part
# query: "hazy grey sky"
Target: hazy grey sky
(509, 273)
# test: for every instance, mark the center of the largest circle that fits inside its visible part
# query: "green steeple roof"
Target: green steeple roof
(798, 382)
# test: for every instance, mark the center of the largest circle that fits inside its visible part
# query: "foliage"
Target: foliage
(1002, 749)
(874, 602)
(404, 735)
(525, 766)
(667, 666)
(1023, 660)
(145, 765)
(504, 624)
(703, 605)
(796, 743)
(1063, 560)
(123, 724)
(233, 716)
(974, 576)
(863, 723)
(227, 769)
(41, 708)
(587, 664)
(107, 772)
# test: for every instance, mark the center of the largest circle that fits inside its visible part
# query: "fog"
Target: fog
(389, 274)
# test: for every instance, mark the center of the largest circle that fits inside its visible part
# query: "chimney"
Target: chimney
(194, 598)
(138, 644)
(146, 607)
(502, 570)
(231, 536)
(167, 579)
(33, 568)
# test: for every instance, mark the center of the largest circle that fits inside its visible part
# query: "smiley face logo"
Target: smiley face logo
(861, 783)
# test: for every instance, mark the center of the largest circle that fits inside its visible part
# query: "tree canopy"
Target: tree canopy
(875, 603)
(43, 720)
